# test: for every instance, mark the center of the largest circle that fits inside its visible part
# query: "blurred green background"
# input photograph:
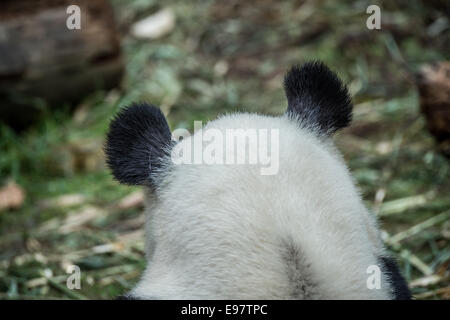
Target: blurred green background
(222, 56)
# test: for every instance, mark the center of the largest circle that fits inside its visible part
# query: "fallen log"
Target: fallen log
(43, 62)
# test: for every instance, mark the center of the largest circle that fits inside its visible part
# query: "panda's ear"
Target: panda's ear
(317, 98)
(137, 144)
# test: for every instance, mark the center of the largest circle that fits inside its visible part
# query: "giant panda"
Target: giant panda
(226, 231)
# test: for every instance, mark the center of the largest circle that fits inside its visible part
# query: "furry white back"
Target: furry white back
(228, 232)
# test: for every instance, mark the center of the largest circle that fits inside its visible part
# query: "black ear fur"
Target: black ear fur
(138, 140)
(317, 98)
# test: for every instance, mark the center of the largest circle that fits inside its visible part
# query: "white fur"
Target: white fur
(220, 231)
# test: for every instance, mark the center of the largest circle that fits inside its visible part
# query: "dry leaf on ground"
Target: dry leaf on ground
(12, 196)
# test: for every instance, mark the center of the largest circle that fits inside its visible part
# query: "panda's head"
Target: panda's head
(139, 142)
(289, 224)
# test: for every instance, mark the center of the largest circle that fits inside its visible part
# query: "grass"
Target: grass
(228, 56)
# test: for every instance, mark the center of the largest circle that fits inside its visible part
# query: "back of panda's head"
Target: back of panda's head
(139, 140)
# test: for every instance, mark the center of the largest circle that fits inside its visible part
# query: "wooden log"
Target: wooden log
(41, 59)
(434, 88)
